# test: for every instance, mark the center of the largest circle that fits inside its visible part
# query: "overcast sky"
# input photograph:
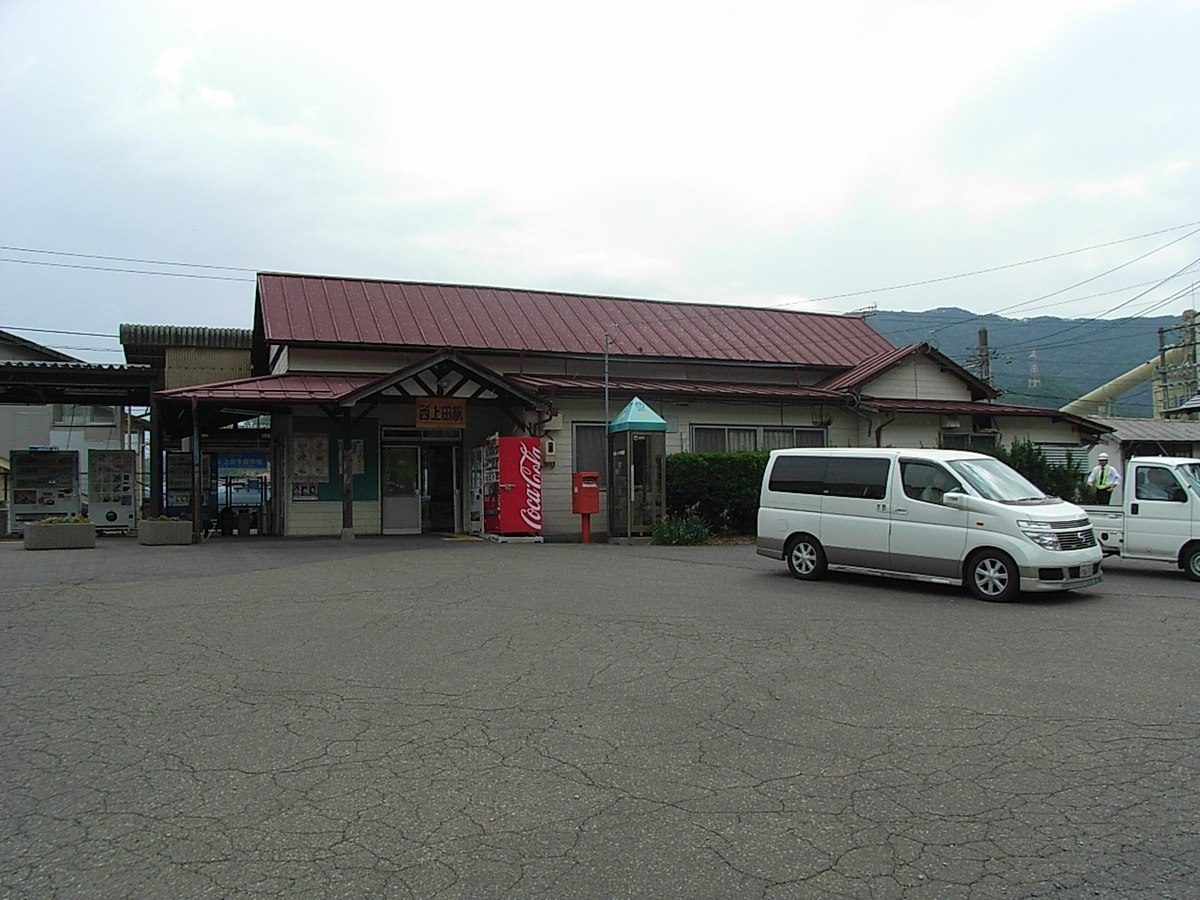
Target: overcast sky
(807, 155)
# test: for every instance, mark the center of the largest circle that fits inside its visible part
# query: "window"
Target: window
(837, 476)
(1157, 483)
(1067, 455)
(857, 477)
(729, 439)
(591, 451)
(926, 481)
(798, 474)
(979, 442)
(718, 439)
(783, 438)
(78, 414)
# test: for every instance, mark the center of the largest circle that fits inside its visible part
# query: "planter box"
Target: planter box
(157, 533)
(60, 536)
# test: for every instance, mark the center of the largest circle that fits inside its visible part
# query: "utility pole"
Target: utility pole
(1179, 381)
(985, 357)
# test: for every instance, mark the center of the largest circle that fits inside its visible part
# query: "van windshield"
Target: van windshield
(993, 480)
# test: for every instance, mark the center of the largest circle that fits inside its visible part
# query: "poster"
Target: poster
(310, 458)
(304, 490)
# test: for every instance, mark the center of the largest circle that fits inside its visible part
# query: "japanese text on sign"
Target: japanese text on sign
(441, 412)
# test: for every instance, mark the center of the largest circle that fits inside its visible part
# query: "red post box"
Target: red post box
(585, 492)
(585, 500)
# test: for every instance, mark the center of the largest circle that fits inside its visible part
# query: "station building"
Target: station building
(371, 404)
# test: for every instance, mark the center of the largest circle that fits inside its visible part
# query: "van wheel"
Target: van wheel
(1191, 562)
(992, 575)
(806, 558)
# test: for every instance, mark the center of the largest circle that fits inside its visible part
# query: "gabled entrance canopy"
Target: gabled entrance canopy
(444, 374)
(344, 397)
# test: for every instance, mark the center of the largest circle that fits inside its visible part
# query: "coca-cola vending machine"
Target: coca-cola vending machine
(512, 487)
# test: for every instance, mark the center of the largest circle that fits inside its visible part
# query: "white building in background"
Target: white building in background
(63, 426)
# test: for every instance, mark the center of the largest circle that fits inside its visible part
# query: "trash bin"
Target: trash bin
(226, 521)
(243, 523)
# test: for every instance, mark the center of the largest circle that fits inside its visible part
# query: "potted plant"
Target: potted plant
(164, 530)
(60, 533)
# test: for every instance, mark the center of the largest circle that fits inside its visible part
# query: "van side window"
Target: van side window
(851, 477)
(798, 474)
(926, 481)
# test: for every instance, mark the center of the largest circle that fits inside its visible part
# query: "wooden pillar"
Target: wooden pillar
(156, 460)
(197, 485)
(347, 462)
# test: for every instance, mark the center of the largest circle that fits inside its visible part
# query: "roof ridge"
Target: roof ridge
(558, 293)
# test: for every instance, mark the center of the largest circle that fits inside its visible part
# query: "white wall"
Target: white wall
(312, 518)
(918, 378)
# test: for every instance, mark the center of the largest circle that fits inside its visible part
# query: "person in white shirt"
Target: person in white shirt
(942, 484)
(1104, 478)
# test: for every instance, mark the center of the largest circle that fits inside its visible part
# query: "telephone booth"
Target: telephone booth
(637, 495)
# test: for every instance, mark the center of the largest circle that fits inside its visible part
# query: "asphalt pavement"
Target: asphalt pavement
(419, 717)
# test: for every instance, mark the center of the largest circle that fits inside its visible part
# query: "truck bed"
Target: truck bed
(1109, 525)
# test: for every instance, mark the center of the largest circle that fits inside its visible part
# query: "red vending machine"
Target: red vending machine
(512, 486)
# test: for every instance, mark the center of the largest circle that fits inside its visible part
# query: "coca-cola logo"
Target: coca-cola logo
(531, 474)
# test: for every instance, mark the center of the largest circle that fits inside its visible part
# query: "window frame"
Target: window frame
(760, 433)
(576, 444)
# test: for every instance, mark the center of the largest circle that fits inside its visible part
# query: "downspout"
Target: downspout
(852, 404)
(879, 431)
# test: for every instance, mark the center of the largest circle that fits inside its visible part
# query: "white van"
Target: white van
(944, 516)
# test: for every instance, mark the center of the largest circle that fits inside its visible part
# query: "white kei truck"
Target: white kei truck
(942, 516)
(1159, 518)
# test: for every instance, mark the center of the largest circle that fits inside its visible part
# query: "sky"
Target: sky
(1011, 157)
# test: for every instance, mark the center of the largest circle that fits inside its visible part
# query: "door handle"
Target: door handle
(898, 510)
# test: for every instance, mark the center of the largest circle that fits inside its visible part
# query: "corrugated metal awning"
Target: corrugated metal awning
(292, 388)
(1172, 430)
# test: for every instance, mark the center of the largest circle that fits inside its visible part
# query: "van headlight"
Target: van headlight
(1041, 533)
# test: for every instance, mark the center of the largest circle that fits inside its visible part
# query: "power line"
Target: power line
(56, 265)
(1121, 322)
(928, 320)
(147, 262)
(1091, 279)
(1015, 265)
(59, 331)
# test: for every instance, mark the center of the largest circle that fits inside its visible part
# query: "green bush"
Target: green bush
(1066, 482)
(720, 488)
(681, 530)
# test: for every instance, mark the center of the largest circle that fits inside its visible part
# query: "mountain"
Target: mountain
(1074, 356)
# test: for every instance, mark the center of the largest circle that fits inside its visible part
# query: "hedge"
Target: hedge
(722, 488)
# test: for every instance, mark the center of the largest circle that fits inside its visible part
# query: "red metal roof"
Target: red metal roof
(278, 388)
(876, 365)
(309, 309)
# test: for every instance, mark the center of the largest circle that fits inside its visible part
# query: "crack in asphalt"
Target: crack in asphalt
(286, 733)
